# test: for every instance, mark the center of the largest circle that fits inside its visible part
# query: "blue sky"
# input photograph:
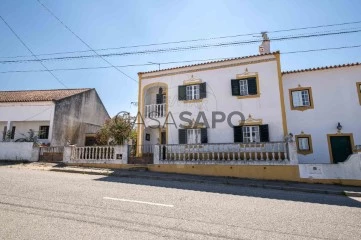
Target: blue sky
(116, 23)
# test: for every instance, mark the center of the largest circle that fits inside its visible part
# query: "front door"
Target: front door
(341, 148)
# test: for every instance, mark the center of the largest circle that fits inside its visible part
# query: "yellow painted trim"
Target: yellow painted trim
(265, 172)
(240, 77)
(303, 108)
(197, 82)
(207, 68)
(192, 101)
(282, 98)
(338, 135)
(358, 88)
(304, 152)
(140, 106)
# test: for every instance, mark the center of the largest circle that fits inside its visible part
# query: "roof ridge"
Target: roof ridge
(211, 62)
(44, 90)
(323, 68)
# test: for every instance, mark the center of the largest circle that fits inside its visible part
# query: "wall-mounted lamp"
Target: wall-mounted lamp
(339, 127)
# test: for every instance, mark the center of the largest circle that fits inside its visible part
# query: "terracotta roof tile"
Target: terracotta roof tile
(322, 68)
(219, 61)
(39, 95)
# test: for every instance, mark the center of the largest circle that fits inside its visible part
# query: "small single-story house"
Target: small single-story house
(58, 117)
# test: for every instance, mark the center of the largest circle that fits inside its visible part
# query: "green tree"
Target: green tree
(116, 131)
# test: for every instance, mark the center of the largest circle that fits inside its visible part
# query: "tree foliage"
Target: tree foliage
(116, 131)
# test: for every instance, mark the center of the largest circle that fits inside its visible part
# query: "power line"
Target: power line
(23, 43)
(173, 62)
(80, 39)
(193, 40)
(186, 48)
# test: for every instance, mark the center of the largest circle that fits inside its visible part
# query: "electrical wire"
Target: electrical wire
(173, 62)
(24, 44)
(80, 39)
(186, 48)
(192, 40)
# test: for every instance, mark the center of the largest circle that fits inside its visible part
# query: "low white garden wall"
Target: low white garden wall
(350, 169)
(19, 151)
(96, 154)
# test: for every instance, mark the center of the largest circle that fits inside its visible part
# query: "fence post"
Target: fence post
(35, 154)
(67, 153)
(156, 154)
(121, 151)
(292, 153)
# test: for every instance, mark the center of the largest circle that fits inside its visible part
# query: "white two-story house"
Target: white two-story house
(229, 101)
(191, 104)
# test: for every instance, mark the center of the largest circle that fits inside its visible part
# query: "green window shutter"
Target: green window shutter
(182, 93)
(202, 90)
(238, 133)
(264, 133)
(235, 87)
(182, 136)
(159, 98)
(204, 136)
(252, 86)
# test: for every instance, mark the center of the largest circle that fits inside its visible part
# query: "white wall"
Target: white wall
(335, 100)
(32, 111)
(25, 116)
(219, 98)
(22, 129)
(18, 151)
(350, 169)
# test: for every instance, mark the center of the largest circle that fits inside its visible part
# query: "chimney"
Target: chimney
(265, 47)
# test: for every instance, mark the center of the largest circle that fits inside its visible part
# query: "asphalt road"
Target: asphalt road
(52, 205)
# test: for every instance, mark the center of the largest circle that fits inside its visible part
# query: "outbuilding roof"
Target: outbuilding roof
(322, 68)
(39, 95)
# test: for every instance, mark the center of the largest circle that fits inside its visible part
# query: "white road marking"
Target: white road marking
(135, 201)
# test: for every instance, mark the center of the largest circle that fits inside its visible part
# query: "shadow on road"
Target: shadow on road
(257, 192)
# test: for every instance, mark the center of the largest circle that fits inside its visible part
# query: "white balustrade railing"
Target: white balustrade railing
(233, 153)
(155, 110)
(93, 153)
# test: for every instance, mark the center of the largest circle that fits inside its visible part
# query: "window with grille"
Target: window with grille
(304, 144)
(193, 136)
(43, 132)
(251, 134)
(192, 92)
(243, 87)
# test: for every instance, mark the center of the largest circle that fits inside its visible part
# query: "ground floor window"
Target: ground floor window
(43, 132)
(193, 136)
(304, 143)
(251, 134)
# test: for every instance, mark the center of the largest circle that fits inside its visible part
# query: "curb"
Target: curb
(265, 186)
(352, 194)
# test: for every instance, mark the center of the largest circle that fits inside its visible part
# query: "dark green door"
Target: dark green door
(341, 148)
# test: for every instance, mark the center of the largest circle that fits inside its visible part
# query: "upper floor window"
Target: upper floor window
(358, 85)
(245, 87)
(192, 92)
(301, 98)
